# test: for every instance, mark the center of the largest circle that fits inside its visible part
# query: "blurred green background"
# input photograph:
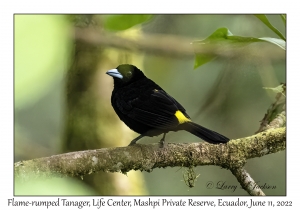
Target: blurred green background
(62, 97)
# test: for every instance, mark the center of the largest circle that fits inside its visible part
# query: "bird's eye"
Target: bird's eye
(128, 74)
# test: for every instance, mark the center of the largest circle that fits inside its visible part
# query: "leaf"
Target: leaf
(223, 39)
(264, 19)
(123, 22)
(283, 17)
(219, 35)
(202, 59)
(279, 89)
(278, 42)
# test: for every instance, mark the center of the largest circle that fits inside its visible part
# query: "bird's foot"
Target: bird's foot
(162, 141)
(161, 144)
(133, 142)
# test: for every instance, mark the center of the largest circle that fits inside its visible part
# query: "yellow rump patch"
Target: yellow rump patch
(181, 118)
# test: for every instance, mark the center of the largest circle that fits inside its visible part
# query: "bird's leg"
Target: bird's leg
(162, 141)
(135, 140)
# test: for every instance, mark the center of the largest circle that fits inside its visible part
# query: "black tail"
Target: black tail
(204, 133)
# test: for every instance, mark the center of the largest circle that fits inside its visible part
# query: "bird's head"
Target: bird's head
(125, 74)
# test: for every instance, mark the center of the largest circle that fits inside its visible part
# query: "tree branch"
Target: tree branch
(246, 181)
(275, 116)
(146, 157)
(170, 45)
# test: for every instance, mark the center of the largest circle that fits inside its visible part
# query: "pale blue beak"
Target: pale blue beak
(114, 73)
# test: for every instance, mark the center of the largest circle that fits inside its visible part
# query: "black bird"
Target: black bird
(148, 110)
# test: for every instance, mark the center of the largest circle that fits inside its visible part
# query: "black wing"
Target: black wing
(156, 110)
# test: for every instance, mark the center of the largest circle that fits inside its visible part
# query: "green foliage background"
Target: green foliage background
(226, 95)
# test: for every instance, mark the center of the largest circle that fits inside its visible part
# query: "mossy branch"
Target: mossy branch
(146, 157)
